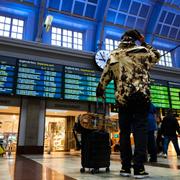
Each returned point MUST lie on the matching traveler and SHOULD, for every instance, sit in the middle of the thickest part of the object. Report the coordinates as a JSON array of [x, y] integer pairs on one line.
[[159, 138], [152, 127], [169, 128], [129, 66]]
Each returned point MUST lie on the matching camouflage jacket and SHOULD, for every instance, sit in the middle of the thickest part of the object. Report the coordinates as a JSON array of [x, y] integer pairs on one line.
[[129, 67]]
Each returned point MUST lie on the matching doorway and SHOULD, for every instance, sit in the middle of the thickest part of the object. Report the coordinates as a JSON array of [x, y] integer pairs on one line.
[[54, 134], [9, 125], [59, 130]]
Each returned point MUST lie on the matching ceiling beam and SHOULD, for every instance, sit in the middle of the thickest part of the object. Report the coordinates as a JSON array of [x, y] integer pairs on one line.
[[102, 11], [152, 21]]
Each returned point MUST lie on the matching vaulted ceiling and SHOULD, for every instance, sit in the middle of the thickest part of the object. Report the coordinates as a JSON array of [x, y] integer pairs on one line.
[[161, 16]]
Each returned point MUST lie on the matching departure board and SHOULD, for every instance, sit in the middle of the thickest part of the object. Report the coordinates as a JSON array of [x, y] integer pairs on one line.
[[174, 89], [39, 79], [7, 74], [159, 93], [80, 84]]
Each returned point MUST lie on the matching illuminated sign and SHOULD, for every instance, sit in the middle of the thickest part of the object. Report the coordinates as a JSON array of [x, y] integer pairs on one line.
[[80, 84], [7, 73], [174, 89], [39, 79], [159, 94]]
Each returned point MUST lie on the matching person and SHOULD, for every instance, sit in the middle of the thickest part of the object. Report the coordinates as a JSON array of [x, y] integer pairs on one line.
[[159, 138], [169, 128], [152, 127], [129, 66], [2, 150]]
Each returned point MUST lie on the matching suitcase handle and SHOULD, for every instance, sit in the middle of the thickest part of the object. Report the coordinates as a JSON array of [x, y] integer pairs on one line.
[[78, 144], [103, 106]]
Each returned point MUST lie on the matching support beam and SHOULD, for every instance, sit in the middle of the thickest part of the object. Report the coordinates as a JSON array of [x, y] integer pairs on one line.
[[103, 7], [151, 24], [42, 7]]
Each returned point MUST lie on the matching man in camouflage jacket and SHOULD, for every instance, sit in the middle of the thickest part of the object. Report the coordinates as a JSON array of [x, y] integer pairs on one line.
[[129, 67]]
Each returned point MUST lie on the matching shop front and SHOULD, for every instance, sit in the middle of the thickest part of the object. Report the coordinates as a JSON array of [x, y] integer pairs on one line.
[[9, 125], [58, 134]]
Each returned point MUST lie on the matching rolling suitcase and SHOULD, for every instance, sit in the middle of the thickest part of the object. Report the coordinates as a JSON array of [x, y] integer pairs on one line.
[[95, 151], [95, 143]]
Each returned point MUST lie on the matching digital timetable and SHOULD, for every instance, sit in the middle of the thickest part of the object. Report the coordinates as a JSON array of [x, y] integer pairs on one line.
[[159, 93], [174, 89], [80, 84], [39, 79], [7, 74]]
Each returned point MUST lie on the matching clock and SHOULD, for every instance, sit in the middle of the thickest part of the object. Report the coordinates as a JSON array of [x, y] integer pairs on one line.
[[101, 58]]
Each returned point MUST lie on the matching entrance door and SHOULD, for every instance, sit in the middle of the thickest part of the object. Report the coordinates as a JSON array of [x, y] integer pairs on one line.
[[54, 134], [9, 123], [59, 130]]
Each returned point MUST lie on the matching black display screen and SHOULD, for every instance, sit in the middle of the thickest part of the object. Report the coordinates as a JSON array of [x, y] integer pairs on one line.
[[80, 84], [39, 79], [7, 75]]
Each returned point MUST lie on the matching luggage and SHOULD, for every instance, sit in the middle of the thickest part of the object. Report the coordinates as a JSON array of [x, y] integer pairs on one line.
[[95, 151], [97, 120], [95, 142]]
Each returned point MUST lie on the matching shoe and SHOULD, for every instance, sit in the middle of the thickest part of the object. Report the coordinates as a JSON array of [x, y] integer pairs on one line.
[[140, 174], [164, 155], [125, 172]]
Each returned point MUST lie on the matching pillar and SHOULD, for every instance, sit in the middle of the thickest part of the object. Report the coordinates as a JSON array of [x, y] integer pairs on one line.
[[31, 126]]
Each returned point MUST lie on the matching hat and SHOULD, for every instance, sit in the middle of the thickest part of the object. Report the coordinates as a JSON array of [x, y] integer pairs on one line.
[[131, 35]]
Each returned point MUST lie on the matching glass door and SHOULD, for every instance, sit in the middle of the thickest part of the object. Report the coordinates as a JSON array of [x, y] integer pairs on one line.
[[54, 134]]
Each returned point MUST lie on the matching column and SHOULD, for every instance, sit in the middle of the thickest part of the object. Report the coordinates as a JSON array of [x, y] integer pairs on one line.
[[31, 126]]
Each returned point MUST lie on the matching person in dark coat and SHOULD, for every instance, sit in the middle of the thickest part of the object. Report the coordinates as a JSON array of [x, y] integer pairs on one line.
[[152, 127], [159, 138], [169, 128]]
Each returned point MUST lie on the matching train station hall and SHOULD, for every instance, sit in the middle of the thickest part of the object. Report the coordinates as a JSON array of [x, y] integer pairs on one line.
[[89, 89]]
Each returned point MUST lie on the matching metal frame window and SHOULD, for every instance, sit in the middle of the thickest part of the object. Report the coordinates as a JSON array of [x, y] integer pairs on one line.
[[67, 38], [11, 27], [165, 60], [111, 44]]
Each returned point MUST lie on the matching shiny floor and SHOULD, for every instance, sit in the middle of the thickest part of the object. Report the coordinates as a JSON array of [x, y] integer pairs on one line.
[[66, 166]]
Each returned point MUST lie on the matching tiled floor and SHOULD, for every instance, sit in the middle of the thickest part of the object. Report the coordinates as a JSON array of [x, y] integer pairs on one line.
[[66, 166]]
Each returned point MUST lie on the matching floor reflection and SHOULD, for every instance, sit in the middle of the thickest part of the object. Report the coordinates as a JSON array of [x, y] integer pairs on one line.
[[27, 169]]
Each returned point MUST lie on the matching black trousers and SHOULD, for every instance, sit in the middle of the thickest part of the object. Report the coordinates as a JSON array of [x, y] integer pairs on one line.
[[133, 120]]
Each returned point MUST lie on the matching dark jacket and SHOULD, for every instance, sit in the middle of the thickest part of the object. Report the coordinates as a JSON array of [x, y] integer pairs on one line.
[[170, 126], [152, 125]]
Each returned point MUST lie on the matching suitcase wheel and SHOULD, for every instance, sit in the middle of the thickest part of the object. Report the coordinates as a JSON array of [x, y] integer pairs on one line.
[[93, 171], [107, 169], [82, 170]]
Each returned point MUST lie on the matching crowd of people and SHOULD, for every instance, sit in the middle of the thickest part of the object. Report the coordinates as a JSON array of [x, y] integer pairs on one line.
[[161, 133]]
